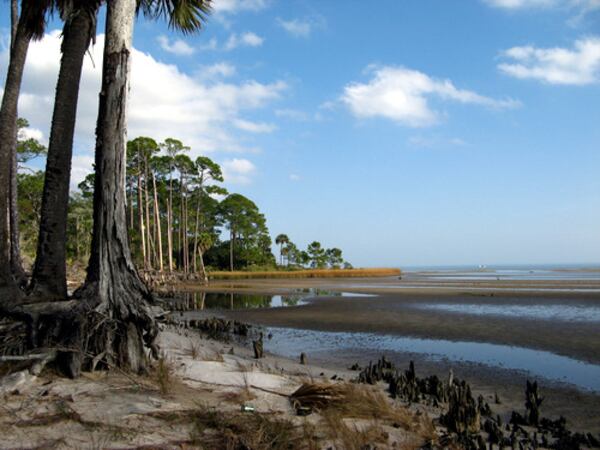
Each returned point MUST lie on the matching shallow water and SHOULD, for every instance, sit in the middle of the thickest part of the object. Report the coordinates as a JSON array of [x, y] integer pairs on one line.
[[291, 342], [233, 301], [564, 313]]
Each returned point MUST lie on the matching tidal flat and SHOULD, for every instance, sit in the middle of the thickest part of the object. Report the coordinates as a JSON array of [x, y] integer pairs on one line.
[[495, 331]]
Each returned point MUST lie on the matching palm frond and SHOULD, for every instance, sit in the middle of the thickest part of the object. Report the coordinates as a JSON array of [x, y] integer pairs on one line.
[[33, 16], [186, 16]]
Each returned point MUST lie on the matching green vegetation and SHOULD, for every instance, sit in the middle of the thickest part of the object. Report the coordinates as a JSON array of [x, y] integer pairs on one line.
[[175, 221]]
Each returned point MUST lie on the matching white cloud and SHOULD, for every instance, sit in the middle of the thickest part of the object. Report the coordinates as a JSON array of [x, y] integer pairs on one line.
[[435, 142], [296, 27], [577, 66], [579, 8], [521, 4], [215, 71], [31, 133], [247, 39], [164, 102], [236, 6], [177, 47], [82, 166], [404, 95], [254, 127], [238, 171], [295, 177]]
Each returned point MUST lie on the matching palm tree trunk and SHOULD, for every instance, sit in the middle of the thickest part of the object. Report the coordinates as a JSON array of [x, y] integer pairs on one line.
[[158, 227], [14, 20], [49, 274], [8, 138], [125, 323]]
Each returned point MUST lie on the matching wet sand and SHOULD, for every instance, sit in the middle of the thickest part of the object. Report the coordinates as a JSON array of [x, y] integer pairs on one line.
[[391, 311]]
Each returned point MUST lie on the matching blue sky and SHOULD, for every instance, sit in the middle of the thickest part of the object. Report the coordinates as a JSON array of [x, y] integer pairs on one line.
[[416, 132]]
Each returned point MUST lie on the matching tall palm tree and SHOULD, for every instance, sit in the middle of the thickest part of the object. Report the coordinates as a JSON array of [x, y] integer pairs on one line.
[[49, 275], [31, 25], [125, 323], [281, 240], [49, 279]]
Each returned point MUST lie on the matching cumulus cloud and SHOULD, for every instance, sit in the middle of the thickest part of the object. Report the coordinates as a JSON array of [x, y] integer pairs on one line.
[[404, 96], [164, 102], [295, 177], [31, 133], [579, 65], [248, 39], [177, 47], [238, 171]]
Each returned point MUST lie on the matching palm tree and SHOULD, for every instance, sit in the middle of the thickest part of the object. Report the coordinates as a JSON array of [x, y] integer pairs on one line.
[[31, 25], [113, 287], [281, 240], [49, 274]]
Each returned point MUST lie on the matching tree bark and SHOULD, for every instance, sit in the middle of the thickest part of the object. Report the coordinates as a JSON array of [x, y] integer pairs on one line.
[[49, 275], [122, 302], [8, 138], [14, 20]]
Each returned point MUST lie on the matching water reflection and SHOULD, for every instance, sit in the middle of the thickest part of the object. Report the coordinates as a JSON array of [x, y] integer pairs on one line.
[[192, 301], [566, 313], [291, 342]]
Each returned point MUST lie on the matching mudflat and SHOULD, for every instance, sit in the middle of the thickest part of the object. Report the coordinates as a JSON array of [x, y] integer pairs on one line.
[[396, 307]]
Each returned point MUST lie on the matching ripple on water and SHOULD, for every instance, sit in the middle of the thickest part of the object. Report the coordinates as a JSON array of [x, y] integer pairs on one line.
[[568, 313], [291, 342]]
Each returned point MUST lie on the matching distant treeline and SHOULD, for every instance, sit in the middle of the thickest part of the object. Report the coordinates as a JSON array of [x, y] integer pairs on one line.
[[179, 216]]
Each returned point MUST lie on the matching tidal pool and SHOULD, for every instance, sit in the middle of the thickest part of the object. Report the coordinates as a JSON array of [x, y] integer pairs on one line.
[[291, 342], [231, 301], [565, 313]]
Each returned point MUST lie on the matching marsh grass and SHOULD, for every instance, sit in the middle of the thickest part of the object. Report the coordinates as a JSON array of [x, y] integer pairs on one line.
[[312, 273]]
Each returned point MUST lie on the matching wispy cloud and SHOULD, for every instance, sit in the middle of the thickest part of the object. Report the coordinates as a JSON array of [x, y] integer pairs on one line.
[[177, 47], [236, 6], [296, 27], [301, 28], [579, 65], [247, 39], [404, 95], [216, 71], [578, 9]]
